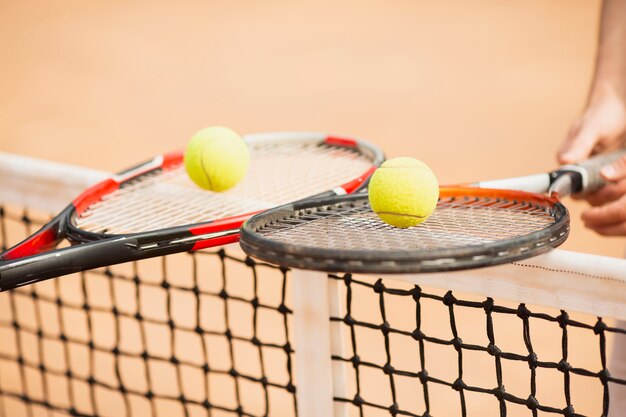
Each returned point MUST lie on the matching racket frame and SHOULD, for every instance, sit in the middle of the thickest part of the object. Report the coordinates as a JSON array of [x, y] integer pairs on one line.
[[387, 262], [34, 259]]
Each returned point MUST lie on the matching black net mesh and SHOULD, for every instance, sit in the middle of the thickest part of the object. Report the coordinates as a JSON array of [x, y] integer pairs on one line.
[[210, 334], [166, 337], [411, 352]]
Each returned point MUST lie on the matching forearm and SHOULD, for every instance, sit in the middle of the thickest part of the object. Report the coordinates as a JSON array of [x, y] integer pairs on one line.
[[611, 56]]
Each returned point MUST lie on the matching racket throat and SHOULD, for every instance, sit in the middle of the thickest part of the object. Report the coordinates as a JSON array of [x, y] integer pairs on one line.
[[193, 241]]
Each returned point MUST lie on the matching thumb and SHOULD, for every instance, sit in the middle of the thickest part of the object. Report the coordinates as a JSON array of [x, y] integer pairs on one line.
[[615, 171], [579, 146]]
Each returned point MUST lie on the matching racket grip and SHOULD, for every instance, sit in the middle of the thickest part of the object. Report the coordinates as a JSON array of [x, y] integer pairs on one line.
[[590, 169]]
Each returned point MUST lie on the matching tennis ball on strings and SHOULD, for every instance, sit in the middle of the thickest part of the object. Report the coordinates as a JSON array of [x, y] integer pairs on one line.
[[217, 158], [403, 192]]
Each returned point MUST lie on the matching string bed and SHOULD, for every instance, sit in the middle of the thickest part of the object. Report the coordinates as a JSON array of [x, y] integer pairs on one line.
[[456, 222], [278, 173]]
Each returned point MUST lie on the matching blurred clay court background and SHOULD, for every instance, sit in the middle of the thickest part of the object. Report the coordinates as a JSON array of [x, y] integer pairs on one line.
[[478, 89]]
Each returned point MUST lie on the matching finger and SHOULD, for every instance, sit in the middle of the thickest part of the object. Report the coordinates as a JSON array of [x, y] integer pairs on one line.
[[615, 171], [579, 147], [607, 194], [613, 230], [607, 215], [567, 143]]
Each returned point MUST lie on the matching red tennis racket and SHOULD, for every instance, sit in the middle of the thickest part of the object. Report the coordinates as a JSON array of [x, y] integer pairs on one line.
[[154, 209]]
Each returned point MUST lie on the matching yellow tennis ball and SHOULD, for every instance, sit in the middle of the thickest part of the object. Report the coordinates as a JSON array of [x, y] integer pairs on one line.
[[403, 192], [217, 158]]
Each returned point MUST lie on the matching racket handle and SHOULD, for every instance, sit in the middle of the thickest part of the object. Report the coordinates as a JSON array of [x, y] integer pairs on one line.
[[590, 170]]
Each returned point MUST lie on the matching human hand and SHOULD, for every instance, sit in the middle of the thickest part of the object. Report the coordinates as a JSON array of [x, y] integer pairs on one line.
[[601, 127], [607, 217]]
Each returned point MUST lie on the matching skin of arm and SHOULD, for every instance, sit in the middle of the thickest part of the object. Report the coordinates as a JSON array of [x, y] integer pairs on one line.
[[602, 124]]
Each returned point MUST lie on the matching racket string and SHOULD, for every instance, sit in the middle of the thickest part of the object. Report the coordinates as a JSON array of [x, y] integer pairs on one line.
[[455, 223], [279, 173]]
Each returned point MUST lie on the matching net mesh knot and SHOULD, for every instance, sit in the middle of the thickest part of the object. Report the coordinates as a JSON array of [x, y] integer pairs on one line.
[[532, 403], [423, 376], [564, 366], [499, 392], [569, 411], [459, 385], [563, 319], [416, 293], [604, 376], [494, 350], [388, 369], [449, 299], [523, 312], [417, 334], [379, 287], [356, 360], [457, 342], [599, 327]]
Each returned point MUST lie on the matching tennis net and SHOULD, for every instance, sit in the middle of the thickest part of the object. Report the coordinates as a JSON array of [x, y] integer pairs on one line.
[[215, 333]]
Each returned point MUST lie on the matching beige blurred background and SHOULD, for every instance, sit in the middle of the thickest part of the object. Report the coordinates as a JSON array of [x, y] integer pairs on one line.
[[478, 89]]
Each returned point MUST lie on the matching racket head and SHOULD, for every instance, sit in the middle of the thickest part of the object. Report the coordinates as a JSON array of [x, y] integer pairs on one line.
[[470, 228], [156, 200]]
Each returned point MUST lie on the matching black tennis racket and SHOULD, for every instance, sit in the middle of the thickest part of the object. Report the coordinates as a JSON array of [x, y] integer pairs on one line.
[[471, 227], [154, 209]]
